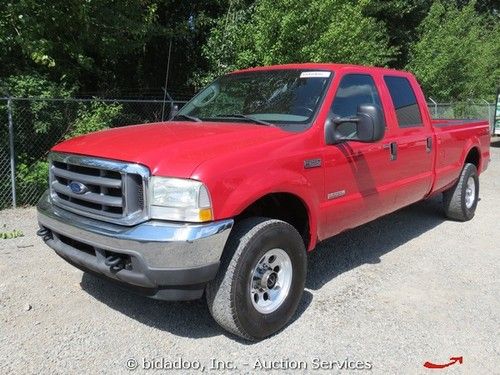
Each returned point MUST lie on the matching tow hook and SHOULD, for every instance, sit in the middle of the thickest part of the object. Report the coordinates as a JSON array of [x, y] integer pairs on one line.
[[44, 233], [116, 263]]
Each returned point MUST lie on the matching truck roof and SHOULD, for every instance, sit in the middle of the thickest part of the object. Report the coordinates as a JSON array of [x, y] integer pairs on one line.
[[320, 66]]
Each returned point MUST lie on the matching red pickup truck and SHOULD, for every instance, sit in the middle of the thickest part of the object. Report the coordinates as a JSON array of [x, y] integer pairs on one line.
[[227, 197]]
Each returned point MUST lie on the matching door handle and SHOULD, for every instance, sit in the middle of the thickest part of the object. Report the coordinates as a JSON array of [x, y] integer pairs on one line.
[[393, 147], [428, 146]]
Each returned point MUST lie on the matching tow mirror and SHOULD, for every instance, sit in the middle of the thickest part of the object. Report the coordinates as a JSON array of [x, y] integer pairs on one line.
[[174, 109], [368, 123]]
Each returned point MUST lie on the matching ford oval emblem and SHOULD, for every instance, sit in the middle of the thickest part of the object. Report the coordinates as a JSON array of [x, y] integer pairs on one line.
[[77, 187]]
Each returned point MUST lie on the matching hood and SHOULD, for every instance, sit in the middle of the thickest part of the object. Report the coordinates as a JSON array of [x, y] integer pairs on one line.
[[172, 149]]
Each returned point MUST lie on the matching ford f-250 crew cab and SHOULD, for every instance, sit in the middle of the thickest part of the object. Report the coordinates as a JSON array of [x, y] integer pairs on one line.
[[227, 197]]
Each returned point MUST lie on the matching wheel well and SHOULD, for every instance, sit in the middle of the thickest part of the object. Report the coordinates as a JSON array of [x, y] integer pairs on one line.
[[473, 157], [281, 206]]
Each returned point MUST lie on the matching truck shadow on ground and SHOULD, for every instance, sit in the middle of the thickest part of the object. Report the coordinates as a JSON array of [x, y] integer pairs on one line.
[[187, 319], [495, 142], [367, 243], [333, 257]]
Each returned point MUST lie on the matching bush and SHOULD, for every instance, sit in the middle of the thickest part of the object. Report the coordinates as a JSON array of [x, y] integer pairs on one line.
[[39, 125], [98, 116], [32, 180]]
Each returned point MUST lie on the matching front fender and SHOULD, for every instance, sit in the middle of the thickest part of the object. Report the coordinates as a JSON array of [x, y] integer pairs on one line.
[[236, 197]]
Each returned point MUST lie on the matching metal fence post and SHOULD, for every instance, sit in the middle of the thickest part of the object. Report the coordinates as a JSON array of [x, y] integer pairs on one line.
[[489, 111], [435, 106], [12, 153]]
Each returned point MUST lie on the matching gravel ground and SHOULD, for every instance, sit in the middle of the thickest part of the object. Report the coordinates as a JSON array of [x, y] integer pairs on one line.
[[405, 289]]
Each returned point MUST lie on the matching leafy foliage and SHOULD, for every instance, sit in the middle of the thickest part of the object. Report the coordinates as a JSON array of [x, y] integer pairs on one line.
[[43, 115], [104, 46], [59, 37], [122, 46], [284, 31], [11, 234], [98, 116], [40, 123], [457, 54], [401, 18], [31, 178]]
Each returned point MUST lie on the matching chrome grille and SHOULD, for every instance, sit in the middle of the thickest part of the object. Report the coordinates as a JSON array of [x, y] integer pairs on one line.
[[103, 189]]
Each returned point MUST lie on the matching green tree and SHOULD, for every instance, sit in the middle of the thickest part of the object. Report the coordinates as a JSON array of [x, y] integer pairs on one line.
[[83, 42], [105, 47], [456, 55], [401, 18], [284, 31]]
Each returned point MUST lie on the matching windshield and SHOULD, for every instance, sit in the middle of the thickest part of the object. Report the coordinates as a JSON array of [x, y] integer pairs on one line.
[[286, 98]]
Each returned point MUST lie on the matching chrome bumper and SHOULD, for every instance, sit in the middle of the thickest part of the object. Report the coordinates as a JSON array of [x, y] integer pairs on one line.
[[160, 253]]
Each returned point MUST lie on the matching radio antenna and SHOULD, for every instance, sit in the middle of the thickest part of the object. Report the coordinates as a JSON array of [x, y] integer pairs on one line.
[[165, 92]]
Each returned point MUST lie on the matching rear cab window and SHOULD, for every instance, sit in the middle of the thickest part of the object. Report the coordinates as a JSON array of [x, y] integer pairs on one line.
[[404, 101]]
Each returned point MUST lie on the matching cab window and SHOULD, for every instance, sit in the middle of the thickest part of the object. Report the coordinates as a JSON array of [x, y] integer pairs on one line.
[[354, 90], [404, 101]]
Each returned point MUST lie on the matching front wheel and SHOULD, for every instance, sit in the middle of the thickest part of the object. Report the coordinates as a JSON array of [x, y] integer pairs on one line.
[[460, 201], [261, 278]]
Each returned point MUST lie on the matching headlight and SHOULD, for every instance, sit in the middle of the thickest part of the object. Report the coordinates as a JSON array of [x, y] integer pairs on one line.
[[179, 200]]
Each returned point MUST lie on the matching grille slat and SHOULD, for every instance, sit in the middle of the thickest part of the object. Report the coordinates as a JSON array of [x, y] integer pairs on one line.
[[86, 179], [101, 199], [112, 191]]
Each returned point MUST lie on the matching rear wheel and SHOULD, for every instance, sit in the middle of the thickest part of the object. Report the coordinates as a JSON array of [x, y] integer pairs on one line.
[[261, 278], [460, 201]]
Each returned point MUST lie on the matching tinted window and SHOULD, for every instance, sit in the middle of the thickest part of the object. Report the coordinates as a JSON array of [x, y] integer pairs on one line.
[[354, 90], [404, 101]]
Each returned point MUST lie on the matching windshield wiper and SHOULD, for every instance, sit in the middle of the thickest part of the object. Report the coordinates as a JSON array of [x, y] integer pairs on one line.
[[246, 117], [187, 117]]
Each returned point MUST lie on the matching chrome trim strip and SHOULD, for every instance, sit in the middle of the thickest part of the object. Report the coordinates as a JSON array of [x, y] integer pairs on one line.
[[104, 181], [88, 197], [96, 162]]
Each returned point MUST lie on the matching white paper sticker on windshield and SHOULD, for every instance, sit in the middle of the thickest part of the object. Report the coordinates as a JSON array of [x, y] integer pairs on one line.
[[318, 74]]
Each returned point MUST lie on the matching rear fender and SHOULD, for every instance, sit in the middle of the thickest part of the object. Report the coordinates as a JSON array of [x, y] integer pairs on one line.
[[470, 144]]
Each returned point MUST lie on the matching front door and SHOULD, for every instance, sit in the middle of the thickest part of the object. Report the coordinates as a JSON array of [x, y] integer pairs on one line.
[[359, 177]]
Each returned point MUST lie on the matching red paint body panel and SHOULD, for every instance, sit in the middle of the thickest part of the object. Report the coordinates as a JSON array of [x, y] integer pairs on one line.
[[241, 163], [169, 148], [455, 139]]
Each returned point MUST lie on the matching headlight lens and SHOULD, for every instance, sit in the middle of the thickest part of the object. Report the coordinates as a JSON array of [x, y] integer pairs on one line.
[[180, 200]]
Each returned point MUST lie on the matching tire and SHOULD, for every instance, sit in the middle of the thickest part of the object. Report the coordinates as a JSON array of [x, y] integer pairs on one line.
[[460, 201], [231, 295]]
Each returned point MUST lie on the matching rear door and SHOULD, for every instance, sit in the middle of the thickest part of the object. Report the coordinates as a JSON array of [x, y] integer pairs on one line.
[[414, 137]]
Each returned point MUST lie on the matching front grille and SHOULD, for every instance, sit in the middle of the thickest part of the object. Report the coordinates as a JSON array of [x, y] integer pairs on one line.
[[99, 188]]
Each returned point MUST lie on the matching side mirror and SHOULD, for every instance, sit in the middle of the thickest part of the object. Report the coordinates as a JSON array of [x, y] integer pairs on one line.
[[369, 123], [174, 109]]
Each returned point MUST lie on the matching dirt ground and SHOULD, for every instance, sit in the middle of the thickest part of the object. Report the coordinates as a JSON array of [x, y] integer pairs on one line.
[[405, 289]]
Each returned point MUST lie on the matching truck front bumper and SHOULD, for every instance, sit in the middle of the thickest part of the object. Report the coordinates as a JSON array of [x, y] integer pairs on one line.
[[163, 260]]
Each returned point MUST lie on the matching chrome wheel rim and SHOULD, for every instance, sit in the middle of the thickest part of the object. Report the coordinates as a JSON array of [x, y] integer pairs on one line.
[[271, 281], [470, 192]]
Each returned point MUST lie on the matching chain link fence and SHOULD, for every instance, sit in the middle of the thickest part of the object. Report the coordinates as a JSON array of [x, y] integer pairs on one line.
[[467, 110], [30, 127]]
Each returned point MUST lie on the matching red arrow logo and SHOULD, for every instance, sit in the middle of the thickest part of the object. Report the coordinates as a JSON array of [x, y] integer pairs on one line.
[[452, 359]]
